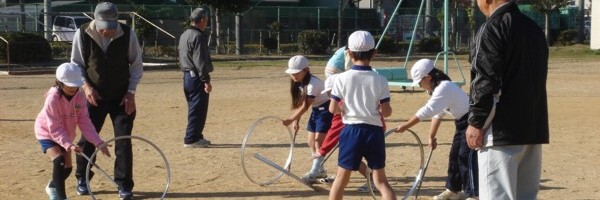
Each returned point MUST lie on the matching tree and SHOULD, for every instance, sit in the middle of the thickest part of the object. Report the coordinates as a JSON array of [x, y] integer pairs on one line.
[[142, 28], [547, 7]]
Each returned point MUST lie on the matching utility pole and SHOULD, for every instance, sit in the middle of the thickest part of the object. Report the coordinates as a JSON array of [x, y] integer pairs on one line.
[[428, 31], [239, 44], [23, 17], [580, 22], [340, 19], [48, 19]]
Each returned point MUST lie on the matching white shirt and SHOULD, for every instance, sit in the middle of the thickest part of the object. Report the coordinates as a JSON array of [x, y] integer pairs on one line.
[[361, 90], [313, 90], [447, 98]]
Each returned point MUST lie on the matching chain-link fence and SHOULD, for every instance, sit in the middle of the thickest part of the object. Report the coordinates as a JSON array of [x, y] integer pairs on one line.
[[168, 22]]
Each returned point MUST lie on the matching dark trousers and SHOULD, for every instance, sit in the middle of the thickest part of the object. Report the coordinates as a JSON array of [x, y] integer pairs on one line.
[[462, 163], [197, 100], [123, 125]]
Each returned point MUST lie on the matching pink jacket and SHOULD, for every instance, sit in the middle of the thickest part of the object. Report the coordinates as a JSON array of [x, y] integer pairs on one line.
[[59, 117]]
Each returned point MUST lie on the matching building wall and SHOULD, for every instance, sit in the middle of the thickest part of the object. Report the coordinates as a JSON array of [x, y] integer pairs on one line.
[[595, 29]]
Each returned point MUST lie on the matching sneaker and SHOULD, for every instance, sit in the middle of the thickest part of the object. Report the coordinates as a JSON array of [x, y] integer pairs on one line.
[[322, 174], [125, 195], [309, 178], [365, 188], [82, 188], [449, 195], [472, 198], [200, 144], [204, 140], [52, 193], [327, 180]]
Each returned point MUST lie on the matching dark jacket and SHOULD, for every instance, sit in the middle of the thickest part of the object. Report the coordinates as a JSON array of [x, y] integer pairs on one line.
[[108, 72], [194, 54], [509, 65]]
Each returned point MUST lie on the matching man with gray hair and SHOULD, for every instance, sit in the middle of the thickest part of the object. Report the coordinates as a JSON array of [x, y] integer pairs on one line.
[[196, 64], [111, 61]]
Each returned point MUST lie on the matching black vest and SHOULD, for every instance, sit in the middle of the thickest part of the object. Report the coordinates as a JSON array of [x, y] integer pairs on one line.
[[107, 73]]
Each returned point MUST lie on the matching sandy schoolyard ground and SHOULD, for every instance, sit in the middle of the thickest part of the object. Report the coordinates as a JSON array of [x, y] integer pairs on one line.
[[243, 94]]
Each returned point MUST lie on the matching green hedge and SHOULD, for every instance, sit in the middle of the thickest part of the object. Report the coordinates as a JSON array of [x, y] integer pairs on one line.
[[566, 37], [430, 45], [313, 42], [387, 46], [256, 49], [25, 47]]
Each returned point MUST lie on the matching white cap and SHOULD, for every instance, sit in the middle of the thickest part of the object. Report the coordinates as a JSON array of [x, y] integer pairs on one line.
[[361, 41], [329, 83], [420, 69], [296, 64], [69, 74]]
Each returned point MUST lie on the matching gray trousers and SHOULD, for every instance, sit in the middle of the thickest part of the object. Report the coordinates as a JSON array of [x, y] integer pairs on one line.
[[510, 172]]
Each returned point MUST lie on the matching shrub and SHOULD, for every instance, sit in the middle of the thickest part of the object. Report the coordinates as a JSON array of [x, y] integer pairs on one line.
[[161, 51], [60, 48], [566, 37], [258, 50], [289, 48], [313, 42], [430, 45], [270, 43], [387, 46], [25, 47]]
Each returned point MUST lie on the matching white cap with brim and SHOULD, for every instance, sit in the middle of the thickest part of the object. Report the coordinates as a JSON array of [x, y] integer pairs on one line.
[[69, 74], [329, 83], [296, 64], [420, 69], [106, 16], [361, 41]]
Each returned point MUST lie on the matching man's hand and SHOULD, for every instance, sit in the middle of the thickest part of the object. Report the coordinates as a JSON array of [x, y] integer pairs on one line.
[[207, 87], [129, 102], [90, 94], [475, 137]]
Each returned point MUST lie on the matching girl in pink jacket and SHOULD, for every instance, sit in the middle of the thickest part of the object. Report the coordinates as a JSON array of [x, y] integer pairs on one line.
[[64, 109]]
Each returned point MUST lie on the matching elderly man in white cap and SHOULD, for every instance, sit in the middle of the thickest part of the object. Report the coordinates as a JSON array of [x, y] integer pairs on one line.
[[111, 60], [196, 65]]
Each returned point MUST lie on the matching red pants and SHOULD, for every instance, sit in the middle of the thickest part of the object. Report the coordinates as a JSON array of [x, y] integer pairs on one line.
[[333, 134]]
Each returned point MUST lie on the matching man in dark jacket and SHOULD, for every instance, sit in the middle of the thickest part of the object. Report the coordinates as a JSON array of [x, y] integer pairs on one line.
[[508, 102], [196, 65], [110, 56]]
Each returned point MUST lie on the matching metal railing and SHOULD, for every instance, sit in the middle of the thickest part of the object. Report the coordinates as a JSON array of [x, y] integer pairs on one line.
[[7, 52]]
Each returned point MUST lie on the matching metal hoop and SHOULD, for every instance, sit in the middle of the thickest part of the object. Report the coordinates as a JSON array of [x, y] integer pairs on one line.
[[419, 175], [288, 162], [90, 163]]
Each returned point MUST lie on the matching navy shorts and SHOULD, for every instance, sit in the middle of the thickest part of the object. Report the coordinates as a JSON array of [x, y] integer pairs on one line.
[[47, 143], [320, 119], [361, 140]]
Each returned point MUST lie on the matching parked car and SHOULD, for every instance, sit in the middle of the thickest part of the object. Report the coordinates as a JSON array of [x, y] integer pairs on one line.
[[64, 27]]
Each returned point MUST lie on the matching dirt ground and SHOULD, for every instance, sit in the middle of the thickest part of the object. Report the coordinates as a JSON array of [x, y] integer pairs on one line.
[[241, 95]]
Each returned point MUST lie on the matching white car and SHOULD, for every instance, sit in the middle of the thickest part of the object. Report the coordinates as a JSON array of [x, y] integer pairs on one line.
[[64, 27]]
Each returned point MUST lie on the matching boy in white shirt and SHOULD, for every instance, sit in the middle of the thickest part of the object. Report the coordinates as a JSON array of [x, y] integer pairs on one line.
[[366, 97]]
